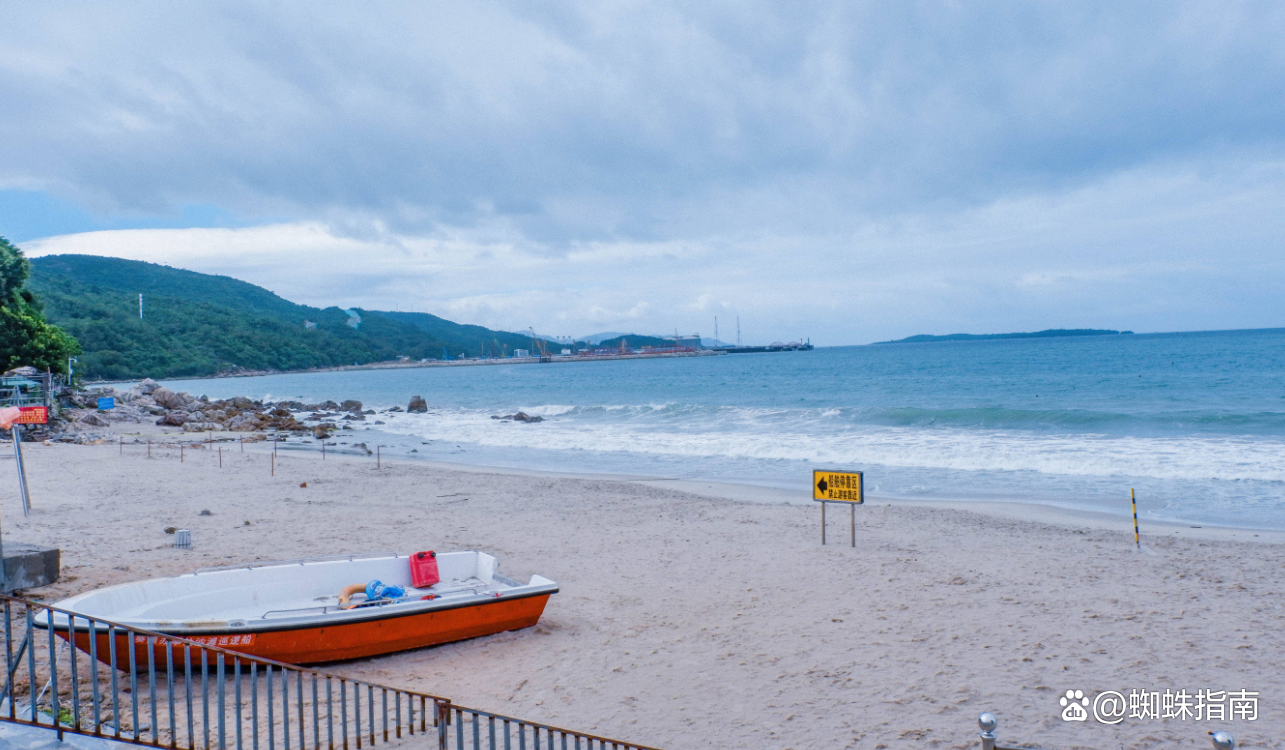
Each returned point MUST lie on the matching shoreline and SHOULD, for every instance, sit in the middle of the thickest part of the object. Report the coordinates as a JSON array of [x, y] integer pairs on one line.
[[553, 359], [1033, 510]]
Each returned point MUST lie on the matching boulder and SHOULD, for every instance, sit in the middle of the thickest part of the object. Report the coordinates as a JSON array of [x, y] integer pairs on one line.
[[147, 387], [289, 424], [94, 420], [243, 423], [321, 431], [351, 405], [202, 427], [521, 417], [327, 406], [355, 416], [196, 416], [169, 399], [417, 405], [173, 419], [398, 408], [241, 402]]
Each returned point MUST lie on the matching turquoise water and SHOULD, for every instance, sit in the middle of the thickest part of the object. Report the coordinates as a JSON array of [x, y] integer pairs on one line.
[[1194, 421]]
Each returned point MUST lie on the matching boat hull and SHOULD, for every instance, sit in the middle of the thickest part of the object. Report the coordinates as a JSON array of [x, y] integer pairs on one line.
[[325, 642]]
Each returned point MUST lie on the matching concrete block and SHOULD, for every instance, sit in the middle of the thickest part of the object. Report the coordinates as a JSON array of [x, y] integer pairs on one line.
[[29, 567]]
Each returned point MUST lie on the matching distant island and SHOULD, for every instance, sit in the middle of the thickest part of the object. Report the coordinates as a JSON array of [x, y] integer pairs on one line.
[[1049, 334]]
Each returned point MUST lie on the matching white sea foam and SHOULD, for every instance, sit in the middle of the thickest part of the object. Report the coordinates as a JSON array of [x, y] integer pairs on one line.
[[778, 434]]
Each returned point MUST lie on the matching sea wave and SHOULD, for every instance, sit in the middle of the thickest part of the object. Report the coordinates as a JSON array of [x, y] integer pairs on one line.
[[786, 435], [825, 419]]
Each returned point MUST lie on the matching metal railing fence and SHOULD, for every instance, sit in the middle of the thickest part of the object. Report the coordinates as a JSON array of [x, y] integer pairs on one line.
[[84, 675]]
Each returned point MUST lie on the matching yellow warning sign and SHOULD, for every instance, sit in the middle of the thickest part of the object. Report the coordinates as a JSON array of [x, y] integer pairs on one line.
[[838, 486]]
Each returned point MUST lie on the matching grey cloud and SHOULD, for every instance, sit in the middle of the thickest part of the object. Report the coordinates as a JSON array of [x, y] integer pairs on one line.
[[577, 121]]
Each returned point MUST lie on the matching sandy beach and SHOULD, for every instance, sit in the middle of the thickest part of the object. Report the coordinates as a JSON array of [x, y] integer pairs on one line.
[[701, 615]]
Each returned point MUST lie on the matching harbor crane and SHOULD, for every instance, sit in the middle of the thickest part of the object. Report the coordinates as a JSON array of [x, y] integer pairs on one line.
[[538, 344]]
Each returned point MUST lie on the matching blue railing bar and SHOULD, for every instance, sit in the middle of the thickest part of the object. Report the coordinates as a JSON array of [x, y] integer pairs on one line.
[[343, 710], [272, 725], [93, 670], [151, 683], [133, 680], [254, 704], [75, 693], [53, 683], [111, 653], [303, 744], [169, 691], [187, 691], [236, 698]]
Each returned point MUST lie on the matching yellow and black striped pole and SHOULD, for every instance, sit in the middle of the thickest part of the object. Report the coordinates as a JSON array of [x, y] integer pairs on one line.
[[1136, 538]]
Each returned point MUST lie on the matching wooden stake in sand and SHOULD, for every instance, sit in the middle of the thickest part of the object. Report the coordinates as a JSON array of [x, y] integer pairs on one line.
[[377, 464], [220, 457], [180, 453], [122, 446], [149, 447], [1137, 538], [274, 464]]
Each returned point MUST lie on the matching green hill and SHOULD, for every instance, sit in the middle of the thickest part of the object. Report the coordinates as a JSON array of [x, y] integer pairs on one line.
[[199, 324], [634, 341]]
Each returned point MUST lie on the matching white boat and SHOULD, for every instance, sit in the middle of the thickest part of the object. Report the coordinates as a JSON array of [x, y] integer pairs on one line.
[[291, 611]]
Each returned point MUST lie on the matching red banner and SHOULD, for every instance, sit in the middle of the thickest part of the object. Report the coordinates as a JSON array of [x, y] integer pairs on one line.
[[33, 415]]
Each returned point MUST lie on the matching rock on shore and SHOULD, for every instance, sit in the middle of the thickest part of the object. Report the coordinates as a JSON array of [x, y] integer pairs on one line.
[[150, 401]]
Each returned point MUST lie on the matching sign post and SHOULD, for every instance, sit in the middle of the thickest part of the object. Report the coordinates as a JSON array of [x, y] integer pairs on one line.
[[839, 487]]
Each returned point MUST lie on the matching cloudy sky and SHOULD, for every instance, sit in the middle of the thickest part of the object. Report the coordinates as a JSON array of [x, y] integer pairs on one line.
[[841, 170]]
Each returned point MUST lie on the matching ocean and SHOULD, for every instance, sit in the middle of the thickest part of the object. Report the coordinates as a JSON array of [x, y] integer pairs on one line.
[[1194, 422]]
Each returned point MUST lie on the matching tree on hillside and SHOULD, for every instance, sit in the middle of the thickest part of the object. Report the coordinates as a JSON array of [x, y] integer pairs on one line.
[[26, 338]]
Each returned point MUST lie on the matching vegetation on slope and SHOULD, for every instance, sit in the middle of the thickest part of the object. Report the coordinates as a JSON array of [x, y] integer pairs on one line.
[[198, 324], [26, 338]]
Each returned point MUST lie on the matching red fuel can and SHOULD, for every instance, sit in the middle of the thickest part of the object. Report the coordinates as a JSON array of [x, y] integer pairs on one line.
[[423, 569]]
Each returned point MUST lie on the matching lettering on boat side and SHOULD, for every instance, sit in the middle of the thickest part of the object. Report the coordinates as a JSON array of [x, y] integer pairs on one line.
[[245, 639]]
